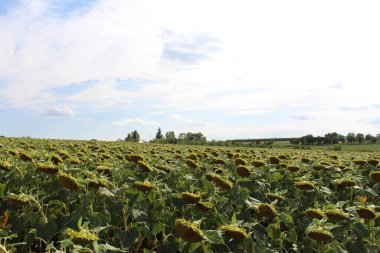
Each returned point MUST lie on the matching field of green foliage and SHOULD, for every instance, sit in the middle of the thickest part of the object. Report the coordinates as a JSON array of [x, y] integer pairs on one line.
[[93, 196]]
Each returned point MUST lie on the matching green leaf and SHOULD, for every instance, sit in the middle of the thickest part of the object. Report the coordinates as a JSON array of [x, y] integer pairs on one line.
[[48, 230], [325, 190], [307, 246], [213, 236], [79, 223], [170, 245], [276, 176], [233, 218], [107, 248], [157, 228], [361, 230], [273, 231], [287, 218], [100, 219], [371, 191], [66, 243], [356, 247], [2, 189], [194, 246], [104, 191], [242, 195], [259, 247], [335, 248], [127, 238], [377, 235]]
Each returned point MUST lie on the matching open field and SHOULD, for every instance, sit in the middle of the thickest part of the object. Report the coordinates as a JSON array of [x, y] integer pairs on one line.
[[93, 196], [351, 147]]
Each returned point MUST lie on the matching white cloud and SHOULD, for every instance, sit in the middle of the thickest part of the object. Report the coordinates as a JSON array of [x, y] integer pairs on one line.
[[189, 123], [59, 111], [135, 121], [90, 120], [189, 49], [104, 94], [302, 117], [176, 116]]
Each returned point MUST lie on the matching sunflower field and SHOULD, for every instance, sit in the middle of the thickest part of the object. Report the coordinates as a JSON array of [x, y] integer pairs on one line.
[[95, 196]]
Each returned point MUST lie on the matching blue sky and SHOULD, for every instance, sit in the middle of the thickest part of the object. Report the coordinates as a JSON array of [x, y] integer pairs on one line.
[[82, 69]]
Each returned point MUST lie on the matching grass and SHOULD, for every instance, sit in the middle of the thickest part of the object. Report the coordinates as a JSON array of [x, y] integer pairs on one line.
[[350, 147]]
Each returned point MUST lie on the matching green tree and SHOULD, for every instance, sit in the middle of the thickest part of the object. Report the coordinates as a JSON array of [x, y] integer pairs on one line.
[[360, 138], [192, 138], [368, 138], [341, 138], [159, 134], [351, 138], [133, 136], [170, 137], [319, 140], [307, 139]]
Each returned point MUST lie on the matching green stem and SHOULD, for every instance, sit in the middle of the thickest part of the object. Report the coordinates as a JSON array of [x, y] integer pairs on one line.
[[40, 210], [2, 249], [204, 248]]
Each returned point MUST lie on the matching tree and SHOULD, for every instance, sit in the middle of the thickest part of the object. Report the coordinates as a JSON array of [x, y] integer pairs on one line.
[[360, 138], [368, 138], [342, 138], [319, 140], [170, 137], [159, 134], [351, 138], [332, 138], [307, 139], [133, 136], [192, 138]]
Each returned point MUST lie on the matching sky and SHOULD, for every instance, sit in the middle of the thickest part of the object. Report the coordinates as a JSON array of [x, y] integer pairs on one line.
[[99, 69]]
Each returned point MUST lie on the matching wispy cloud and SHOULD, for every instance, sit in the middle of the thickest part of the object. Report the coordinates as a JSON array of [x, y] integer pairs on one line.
[[89, 120], [189, 49], [176, 116], [59, 111], [248, 112], [189, 122], [302, 117], [350, 108], [104, 94], [336, 86], [135, 121]]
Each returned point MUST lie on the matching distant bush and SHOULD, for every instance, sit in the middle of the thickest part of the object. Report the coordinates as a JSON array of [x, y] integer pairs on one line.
[[335, 148]]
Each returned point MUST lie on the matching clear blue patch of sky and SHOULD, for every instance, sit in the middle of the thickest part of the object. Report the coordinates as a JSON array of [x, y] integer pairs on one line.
[[21, 122], [17, 122], [2, 82], [7, 5], [133, 83], [124, 84], [73, 88], [68, 7], [189, 49], [375, 121], [244, 91]]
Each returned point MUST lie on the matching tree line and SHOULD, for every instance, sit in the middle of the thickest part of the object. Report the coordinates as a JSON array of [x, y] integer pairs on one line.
[[171, 138], [335, 138], [199, 139]]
